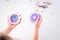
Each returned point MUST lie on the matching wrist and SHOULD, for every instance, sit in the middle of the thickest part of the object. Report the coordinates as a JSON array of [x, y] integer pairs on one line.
[[37, 28], [11, 27]]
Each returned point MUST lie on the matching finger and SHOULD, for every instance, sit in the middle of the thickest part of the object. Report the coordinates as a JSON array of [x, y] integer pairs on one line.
[[19, 21], [40, 18], [9, 22], [8, 19]]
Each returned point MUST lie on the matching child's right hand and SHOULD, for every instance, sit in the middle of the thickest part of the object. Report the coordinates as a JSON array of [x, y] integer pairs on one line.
[[38, 22]]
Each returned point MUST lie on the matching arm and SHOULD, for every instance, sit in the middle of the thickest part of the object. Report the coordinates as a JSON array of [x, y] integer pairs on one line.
[[37, 26], [36, 34], [10, 27]]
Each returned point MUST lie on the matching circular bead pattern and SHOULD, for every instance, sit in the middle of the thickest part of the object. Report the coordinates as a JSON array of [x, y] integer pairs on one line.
[[34, 17], [14, 18]]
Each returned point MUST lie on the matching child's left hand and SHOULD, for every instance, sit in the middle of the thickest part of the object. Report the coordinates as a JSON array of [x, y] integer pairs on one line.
[[11, 26]]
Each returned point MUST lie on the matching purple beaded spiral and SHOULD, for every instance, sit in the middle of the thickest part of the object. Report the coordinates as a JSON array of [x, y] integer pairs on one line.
[[14, 18], [34, 17]]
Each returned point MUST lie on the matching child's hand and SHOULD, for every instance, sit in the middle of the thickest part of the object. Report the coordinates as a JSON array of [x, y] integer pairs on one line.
[[37, 25], [38, 22], [11, 26]]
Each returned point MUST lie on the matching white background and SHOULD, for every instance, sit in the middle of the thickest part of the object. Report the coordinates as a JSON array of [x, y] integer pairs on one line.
[[50, 27]]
